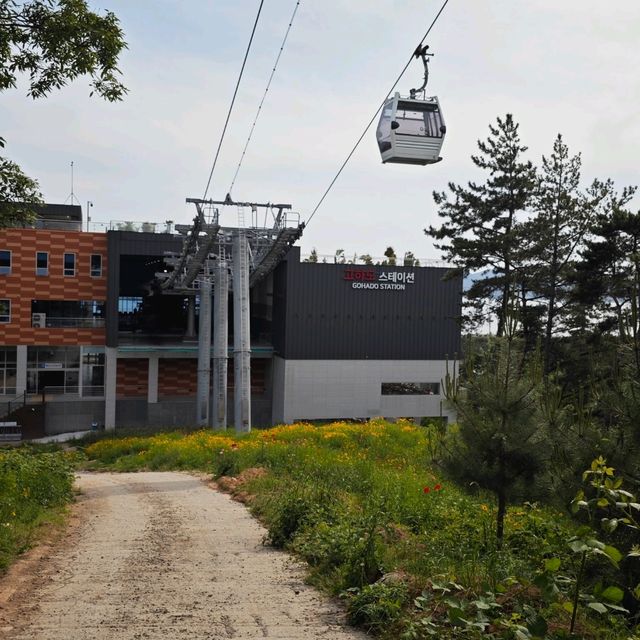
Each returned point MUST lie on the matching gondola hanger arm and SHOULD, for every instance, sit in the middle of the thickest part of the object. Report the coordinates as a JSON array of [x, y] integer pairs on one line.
[[421, 52]]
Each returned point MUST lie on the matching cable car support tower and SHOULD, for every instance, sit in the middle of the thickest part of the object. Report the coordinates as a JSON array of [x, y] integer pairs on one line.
[[215, 259]]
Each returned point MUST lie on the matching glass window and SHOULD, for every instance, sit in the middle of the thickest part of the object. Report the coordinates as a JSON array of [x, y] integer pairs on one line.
[[69, 264], [7, 371], [92, 371], [419, 119], [70, 313], [383, 132], [5, 262], [96, 265], [410, 388], [42, 263], [71, 382], [5, 310]]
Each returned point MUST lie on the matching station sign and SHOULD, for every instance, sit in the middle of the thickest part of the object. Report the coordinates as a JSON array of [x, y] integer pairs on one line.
[[363, 278]]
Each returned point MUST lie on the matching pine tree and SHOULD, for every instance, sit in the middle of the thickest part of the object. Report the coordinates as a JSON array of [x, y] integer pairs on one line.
[[481, 232], [608, 275], [562, 217], [500, 444]]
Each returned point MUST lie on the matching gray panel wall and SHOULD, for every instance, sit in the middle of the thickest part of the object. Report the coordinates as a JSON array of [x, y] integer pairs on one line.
[[322, 315], [122, 243], [334, 389]]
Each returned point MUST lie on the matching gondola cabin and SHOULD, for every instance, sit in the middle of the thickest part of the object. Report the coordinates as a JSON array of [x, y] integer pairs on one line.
[[411, 131]]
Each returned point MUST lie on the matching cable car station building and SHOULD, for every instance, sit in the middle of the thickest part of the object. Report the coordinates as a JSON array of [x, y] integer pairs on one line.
[[89, 335]]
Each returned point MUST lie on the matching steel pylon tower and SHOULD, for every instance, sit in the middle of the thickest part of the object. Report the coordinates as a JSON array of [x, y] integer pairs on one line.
[[208, 250]]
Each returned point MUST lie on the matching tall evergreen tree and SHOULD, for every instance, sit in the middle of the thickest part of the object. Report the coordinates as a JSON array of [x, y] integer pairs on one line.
[[481, 232], [608, 275], [554, 235]]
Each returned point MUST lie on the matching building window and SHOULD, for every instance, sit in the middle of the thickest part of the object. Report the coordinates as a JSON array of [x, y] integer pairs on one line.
[[85, 314], [5, 310], [92, 371], [42, 263], [7, 371], [69, 264], [96, 266], [410, 388], [53, 370], [5, 262]]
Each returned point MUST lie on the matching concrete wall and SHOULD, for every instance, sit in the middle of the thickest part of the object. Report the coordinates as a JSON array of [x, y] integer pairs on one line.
[[332, 389], [65, 416], [180, 412]]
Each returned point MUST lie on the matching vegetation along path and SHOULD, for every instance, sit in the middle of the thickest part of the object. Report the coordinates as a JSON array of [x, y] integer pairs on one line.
[[161, 555]]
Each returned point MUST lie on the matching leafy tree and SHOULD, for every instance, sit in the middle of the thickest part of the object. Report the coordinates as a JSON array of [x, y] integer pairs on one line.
[[339, 257], [57, 41], [390, 256], [366, 259], [481, 232], [410, 260], [500, 445], [313, 256], [54, 42], [18, 193]]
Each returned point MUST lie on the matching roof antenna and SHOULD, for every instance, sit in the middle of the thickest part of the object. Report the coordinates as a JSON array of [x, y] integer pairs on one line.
[[72, 195]]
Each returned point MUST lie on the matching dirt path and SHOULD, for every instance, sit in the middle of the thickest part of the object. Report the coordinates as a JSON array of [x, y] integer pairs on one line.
[[161, 555]]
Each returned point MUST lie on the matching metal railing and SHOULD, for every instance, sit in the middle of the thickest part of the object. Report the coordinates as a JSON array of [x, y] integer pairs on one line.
[[375, 261], [9, 406], [74, 323], [71, 392], [142, 227]]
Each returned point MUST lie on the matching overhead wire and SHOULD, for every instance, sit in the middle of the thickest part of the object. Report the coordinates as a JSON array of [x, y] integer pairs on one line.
[[273, 72], [235, 93], [375, 115]]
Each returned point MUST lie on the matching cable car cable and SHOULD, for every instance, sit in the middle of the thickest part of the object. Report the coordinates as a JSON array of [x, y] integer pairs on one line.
[[235, 93], [273, 72], [375, 115]]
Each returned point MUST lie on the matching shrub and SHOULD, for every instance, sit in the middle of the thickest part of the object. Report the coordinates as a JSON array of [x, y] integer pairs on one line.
[[32, 485], [376, 606]]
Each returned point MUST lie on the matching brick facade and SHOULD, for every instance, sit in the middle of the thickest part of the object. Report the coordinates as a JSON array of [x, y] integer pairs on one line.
[[132, 377], [177, 377], [22, 285]]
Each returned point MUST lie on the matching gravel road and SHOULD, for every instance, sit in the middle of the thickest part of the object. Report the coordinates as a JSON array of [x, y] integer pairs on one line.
[[163, 555]]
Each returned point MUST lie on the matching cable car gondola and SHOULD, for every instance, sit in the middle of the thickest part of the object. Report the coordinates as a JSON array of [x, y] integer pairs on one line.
[[411, 130]]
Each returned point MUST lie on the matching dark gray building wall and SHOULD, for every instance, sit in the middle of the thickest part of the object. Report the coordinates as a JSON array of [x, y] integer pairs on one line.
[[319, 315], [123, 243]]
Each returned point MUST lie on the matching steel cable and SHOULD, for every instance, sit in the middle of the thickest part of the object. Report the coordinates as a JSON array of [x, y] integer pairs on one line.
[[273, 72], [235, 93]]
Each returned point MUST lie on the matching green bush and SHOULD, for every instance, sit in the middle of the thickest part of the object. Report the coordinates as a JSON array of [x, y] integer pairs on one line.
[[376, 606], [33, 485]]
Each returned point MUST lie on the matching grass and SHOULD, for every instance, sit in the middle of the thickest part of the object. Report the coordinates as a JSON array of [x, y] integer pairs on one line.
[[413, 554], [35, 486]]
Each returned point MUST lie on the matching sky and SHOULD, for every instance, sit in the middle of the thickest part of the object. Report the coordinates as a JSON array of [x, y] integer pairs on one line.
[[559, 66]]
